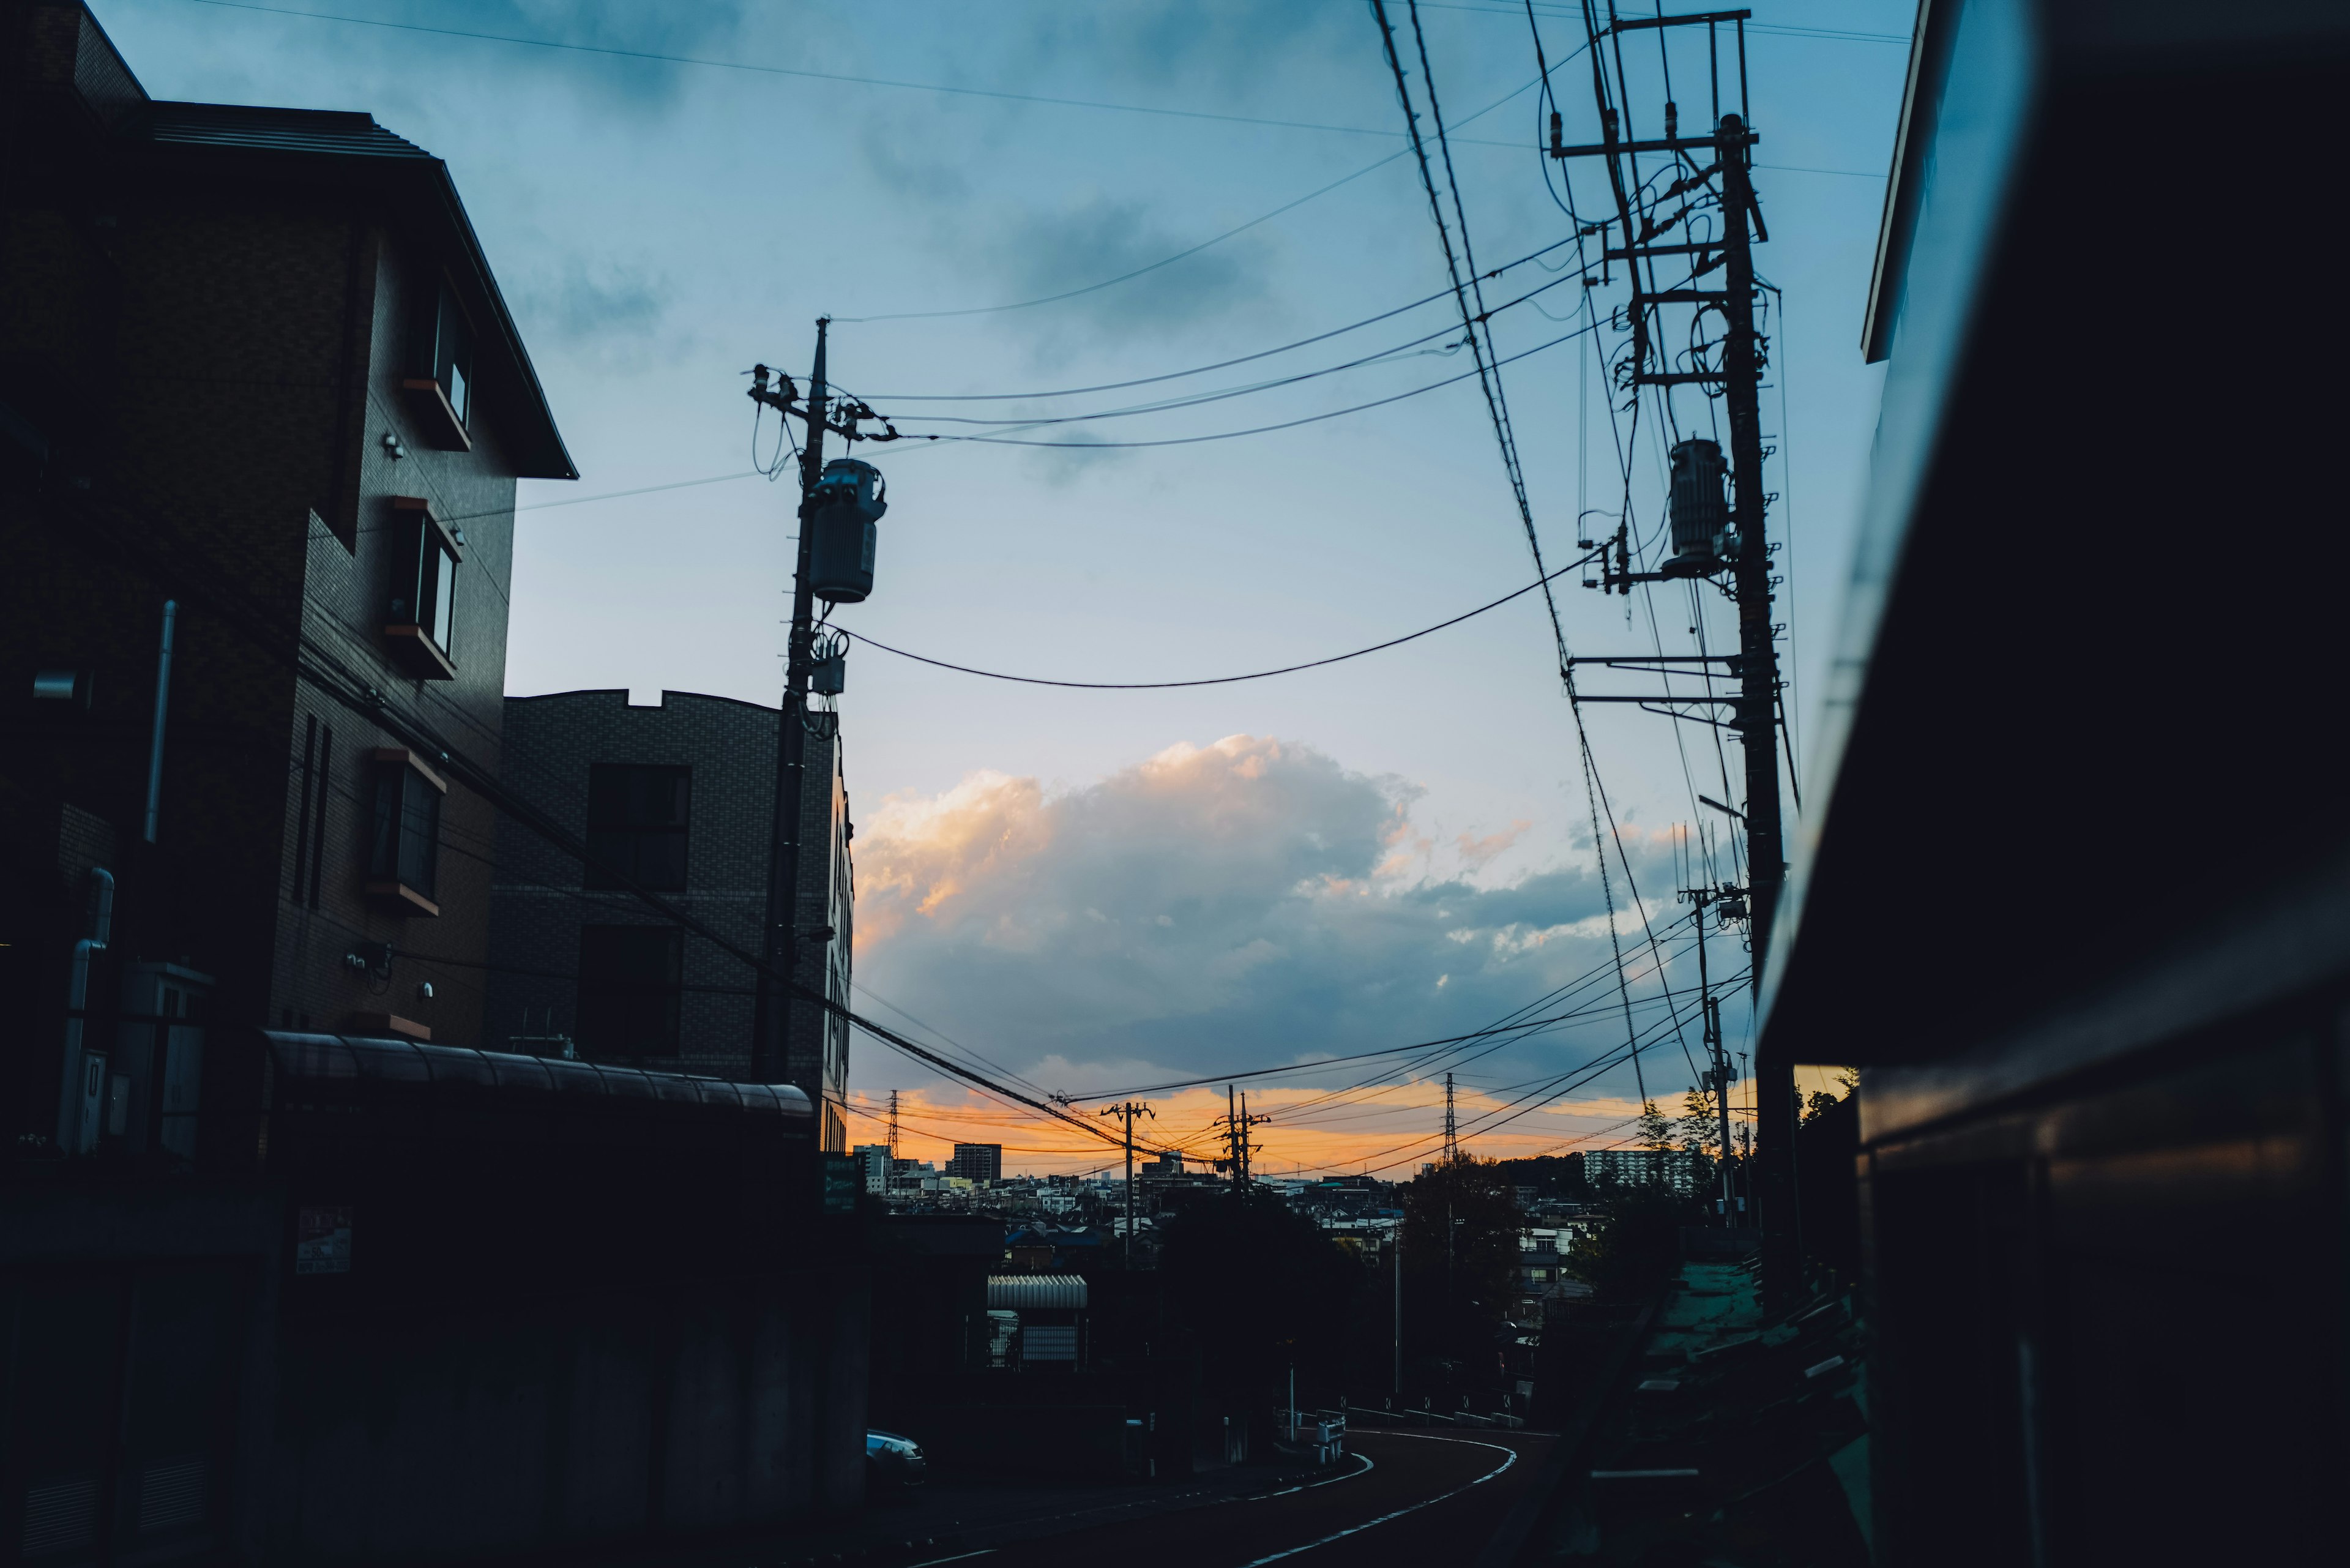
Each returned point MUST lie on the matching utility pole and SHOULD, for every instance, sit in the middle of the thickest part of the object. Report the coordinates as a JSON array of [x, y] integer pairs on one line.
[[1638, 221], [1451, 1127], [1130, 1110], [1757, 706], [771, 1010], [860, 503], [1232, 1134], [1237, 1122], [1247, 1121], [893, 1132], [1717, 1064], [1398, 1306]]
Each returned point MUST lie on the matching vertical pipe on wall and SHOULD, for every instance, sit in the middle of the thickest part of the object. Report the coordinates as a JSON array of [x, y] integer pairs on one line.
[[73, 1092], [162, 700]]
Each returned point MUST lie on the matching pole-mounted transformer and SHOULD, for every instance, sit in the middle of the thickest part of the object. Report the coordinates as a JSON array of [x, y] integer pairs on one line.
[[846, 503], [1698, 509]]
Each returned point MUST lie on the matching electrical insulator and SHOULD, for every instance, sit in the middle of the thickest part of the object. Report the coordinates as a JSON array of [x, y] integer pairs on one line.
[[1698, 508], [846, 502], [1557, 135]]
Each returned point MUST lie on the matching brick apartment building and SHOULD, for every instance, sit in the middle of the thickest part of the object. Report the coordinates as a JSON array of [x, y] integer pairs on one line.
[[263, 399], [681, 797], [262, 414]]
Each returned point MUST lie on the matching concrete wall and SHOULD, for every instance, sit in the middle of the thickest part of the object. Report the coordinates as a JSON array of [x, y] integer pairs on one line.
[[668, 1412]]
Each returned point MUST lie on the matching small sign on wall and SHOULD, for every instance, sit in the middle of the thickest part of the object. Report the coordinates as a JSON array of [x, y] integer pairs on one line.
[[844, 1179], [322, 1240]]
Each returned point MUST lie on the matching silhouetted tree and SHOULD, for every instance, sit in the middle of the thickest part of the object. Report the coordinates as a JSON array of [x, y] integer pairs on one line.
[[1656, 1132], [1636, 1247], [1827, 1180], [1261, 1288], [1461, 1230]]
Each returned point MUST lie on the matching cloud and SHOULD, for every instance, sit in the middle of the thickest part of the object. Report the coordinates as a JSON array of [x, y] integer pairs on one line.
[[1217, 907], [1226, 45], [611, 310], [708, 29], [1046, 252], [1476, 852]]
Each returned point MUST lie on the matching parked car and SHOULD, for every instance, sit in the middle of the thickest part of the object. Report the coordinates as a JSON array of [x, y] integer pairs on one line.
[[892, 1461]]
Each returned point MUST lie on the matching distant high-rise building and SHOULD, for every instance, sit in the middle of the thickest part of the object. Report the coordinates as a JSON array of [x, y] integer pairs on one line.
[[873, 1159], [977, 1162]]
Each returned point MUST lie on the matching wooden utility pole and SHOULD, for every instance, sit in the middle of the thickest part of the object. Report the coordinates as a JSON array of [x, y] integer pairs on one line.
[[1128, 1111], [1755, 715], [1398, 1306], [771, 1010], [1717, 1064], [1237, 1122], [1757, 720]]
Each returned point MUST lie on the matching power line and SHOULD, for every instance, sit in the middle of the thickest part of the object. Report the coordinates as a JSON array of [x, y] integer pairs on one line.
[[615, 52], [1223, 364], [1189, 251], [1208, 680], [1497, 407], [1183, 254], [1261, 430]]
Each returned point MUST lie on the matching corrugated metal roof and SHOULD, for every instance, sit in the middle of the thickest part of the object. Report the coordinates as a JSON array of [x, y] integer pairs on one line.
[[333, 132], [342, 1066], [1034, 1292]]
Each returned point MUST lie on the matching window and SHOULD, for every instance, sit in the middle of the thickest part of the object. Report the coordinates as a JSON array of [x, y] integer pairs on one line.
[[404, 833], [440, 387], [421, 616], [631, 979], [636, 823], [452, 356]]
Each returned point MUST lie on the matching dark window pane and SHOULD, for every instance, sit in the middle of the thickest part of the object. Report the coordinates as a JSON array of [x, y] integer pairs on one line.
[[404, 830], [420, 835], [439, 595], [383, 826], [453, 357], [660, 859], [636, 823], [630, 979]]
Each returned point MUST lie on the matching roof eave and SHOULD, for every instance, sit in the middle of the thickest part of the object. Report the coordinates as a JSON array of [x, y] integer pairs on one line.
[[1900, 212], [552, 458]]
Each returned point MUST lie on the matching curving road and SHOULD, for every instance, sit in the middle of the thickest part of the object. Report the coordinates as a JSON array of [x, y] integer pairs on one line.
[[1399, 1497]]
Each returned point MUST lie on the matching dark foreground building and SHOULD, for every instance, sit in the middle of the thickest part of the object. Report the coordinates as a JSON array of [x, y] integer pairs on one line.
[[2087, 689], [678, 798], [264, 410], [279, 1282]]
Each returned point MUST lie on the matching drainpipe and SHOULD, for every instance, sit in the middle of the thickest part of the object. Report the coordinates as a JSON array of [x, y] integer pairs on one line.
[[162, 699], [72, 1094]]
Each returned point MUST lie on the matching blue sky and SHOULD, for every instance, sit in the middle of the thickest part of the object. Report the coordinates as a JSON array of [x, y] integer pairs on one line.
[[658, 226]]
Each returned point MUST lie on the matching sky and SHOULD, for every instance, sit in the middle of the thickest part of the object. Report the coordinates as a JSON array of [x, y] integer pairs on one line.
[[1105, 890]]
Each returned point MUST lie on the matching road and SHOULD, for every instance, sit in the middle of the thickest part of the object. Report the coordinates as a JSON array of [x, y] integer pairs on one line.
[[1399, 1497]]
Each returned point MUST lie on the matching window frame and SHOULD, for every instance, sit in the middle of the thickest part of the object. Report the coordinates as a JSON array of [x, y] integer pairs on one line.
[[607, 988], [440, 398], [421, 612], [452, 355], [620, 839], [401, 858]]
